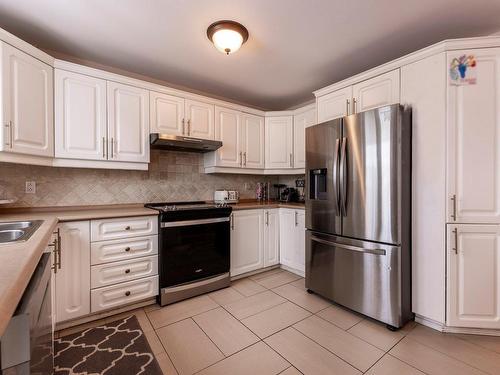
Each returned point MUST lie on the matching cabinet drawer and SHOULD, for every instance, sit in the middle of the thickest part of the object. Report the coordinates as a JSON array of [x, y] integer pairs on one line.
[[122, 294], [123, 249], [123, 227], [126, 270]]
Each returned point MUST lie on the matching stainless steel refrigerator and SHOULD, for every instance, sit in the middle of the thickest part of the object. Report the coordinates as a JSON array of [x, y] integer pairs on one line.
[[358, 213]]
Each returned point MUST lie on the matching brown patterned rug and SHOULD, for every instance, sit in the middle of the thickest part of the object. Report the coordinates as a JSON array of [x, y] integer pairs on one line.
[[117, 348]]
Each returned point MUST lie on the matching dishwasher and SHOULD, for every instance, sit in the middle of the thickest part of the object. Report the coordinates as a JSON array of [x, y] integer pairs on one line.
[[27, 345]]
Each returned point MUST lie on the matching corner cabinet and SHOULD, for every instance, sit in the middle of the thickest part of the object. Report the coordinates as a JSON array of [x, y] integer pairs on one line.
[[247, 241], [252, 141], [301, 121], [271, 237], [27, 104], [279, 142], [473, 149], [292, 239], [73, 278], [473, 293]]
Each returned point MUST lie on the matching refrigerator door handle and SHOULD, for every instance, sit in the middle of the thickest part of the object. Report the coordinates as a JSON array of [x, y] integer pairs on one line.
[[349, 247], [343, 178], [336, 177]]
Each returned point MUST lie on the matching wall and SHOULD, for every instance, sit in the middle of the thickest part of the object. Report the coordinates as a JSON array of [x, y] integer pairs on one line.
[[172, 176]]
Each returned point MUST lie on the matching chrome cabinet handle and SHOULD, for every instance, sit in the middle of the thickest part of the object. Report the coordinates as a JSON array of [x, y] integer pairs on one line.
[[183, 127], [267, 218], [336, 177], [232, 222], [354, 102], [189, 127], [455, 232], [104, 147], [343, 178], [241, 159], [291, 160], [296, 218], [245, 156], [347, 104], [112, 147], [454, 214], [59, 244], [9, 142]]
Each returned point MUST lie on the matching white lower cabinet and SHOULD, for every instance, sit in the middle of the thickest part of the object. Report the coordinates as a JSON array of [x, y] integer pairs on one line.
[[247, 241], [473, 277], [271, 237], [73, 278], [292, 238]]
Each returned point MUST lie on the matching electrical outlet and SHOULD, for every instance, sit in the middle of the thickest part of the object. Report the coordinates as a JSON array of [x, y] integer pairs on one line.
[[30, 187], [247, 186]]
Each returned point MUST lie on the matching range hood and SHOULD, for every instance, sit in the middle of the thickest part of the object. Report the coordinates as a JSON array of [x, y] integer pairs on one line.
[[181, 143]]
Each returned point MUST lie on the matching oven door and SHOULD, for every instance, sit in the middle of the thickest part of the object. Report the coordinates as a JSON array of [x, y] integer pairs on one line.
[[192, 250]]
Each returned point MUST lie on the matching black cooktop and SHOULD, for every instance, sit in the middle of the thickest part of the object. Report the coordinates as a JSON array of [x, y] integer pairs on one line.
[[173, 211]]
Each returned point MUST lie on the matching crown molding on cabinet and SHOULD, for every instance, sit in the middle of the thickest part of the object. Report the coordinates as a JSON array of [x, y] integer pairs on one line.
[[20, 44], [446, 45]]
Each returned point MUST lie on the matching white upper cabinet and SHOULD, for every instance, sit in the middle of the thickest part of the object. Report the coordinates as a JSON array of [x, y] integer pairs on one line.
[[199, 119], [80, 116], [27, 103], [279, 142], [227, 130], [473, 160], [334, 105], [301, 121], [167, 114], [128, 123], [473, 259], [247, 241], [376, 92], [252, 131]]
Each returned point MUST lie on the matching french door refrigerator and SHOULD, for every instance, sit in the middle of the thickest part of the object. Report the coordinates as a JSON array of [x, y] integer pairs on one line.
[[358, 213]]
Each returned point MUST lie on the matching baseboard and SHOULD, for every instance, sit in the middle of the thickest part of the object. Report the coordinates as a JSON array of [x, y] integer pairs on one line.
[[429, 323], [462, 330], [293, 270], [251, 273]]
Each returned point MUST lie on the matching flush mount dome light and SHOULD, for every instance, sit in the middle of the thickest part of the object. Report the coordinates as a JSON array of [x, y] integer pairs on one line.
[[227, 36]]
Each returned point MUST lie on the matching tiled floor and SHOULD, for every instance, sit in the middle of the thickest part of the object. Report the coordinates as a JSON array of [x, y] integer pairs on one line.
[[269, 324]]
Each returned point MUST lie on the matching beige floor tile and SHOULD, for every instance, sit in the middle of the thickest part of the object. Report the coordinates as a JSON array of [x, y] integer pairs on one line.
[[306, 355], [376, 334], [154, 342], [262, 275], [302, 298], [188, 347], [247, 287], [226, 332], [389, 365], [355, 351], [291, 371], [139, 314], [408, 327], [487, 342], [226, 295], [474, 355], [180, 310], [339, 316], [275, 319], [278, 279], [300, 283], [429, 360], [254, 304], [152, 307], [256, 359], [166, 364], [81, 327]]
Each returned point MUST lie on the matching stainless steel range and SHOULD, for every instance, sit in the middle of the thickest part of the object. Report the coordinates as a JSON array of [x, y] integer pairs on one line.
[[194, 249], [358, 212]]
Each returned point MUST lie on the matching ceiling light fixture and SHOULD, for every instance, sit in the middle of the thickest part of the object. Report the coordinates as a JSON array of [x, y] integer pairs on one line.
[[227, 36]]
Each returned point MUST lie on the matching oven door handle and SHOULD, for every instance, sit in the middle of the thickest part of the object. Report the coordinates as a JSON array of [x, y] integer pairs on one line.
[[186, 223]]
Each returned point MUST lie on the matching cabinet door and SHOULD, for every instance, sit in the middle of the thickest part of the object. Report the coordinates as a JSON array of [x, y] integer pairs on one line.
[[247, 241], [28, 104], [376, 92], [73, 278], [252, 141], [200, 119], [227, 130], [300, 241], [128, 123], [473, 152], [301, 121], [271, 237], [80, 116], [167, 114], [473, 276], [334, 105], [279, 142], [287, 238]]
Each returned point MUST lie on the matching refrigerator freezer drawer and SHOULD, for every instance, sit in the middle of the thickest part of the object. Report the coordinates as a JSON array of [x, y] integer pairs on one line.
[[363, 276]]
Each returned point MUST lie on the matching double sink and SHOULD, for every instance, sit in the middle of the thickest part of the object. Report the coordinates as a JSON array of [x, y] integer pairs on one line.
[[18, 231]]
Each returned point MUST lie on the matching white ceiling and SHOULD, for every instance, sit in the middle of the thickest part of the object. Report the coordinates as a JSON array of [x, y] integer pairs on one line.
[[295, 46]]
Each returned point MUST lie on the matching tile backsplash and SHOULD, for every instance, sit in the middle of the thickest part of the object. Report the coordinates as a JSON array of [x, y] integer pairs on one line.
[[172, 176]]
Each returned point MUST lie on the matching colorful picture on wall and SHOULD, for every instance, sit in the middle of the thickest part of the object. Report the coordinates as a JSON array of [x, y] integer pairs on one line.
[[463, 70]]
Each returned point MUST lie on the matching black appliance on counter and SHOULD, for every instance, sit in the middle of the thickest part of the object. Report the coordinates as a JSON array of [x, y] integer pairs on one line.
[[194, 248]]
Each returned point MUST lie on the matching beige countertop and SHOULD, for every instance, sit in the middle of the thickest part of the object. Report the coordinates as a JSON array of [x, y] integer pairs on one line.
[[19, 260]]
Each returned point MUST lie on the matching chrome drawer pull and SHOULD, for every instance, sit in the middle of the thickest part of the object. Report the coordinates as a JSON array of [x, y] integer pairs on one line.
[[127, 293]]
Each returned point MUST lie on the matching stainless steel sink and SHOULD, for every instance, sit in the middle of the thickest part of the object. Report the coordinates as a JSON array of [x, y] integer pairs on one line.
[[18, 231]]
